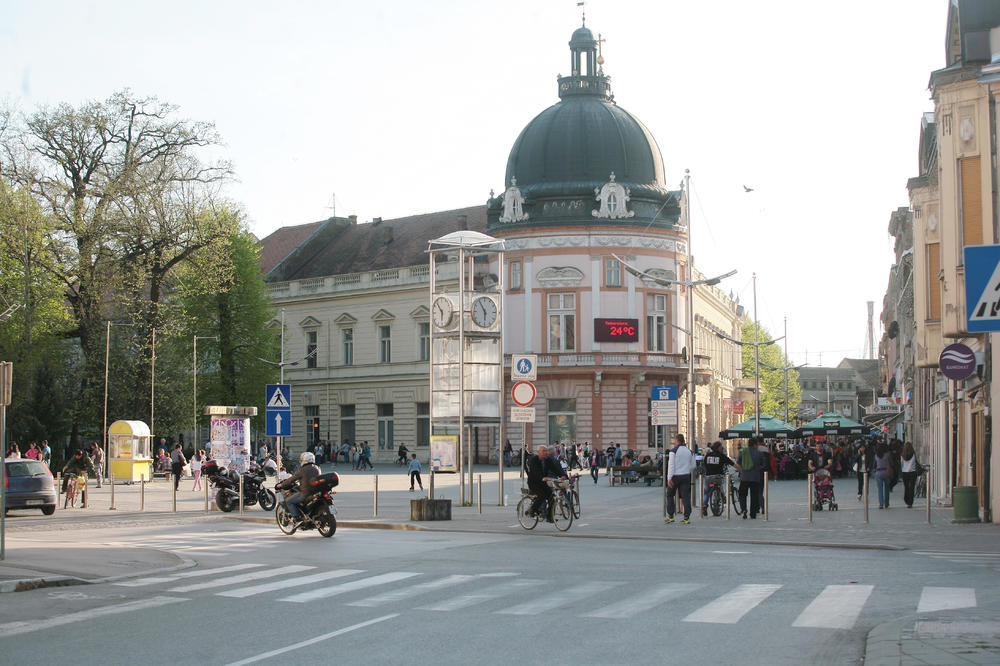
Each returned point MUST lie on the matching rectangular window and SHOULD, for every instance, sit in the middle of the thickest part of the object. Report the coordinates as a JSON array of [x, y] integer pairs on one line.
[[562, 420], [656, 322], [385, 439], [347, 335], [562, 322], [312, 426], [384, 344], [347, 423], [612, 273], [971, 213], [423, 424], [933, 283], [515, 275], [425, 341], [311, 349]]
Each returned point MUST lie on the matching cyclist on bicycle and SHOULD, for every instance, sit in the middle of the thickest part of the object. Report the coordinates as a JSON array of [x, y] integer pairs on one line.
[[541, 469], [78, 464], [401, 454], [715, 466]]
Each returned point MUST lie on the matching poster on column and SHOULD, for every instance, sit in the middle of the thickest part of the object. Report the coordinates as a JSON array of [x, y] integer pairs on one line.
[[230, 442]]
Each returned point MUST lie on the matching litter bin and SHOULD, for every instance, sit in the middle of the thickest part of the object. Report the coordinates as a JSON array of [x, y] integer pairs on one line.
[[965, 500]]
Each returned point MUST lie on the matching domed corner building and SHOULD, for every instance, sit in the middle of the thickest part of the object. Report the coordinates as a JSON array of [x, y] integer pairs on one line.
[[585, 192], [584, 185]]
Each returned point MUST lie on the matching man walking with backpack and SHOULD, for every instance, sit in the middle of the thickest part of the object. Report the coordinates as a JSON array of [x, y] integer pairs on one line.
[[679, 467], [750, 463]]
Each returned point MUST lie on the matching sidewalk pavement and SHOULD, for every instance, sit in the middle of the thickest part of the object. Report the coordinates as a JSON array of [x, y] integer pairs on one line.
[[633, 511]]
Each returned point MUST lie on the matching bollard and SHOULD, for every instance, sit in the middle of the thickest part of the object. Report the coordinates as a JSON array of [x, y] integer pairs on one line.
[[701, 495], [84, 492], [480, 493], [430, 492], [58, 487], [206, 494], [810, 481], [375, 496], [241, 494], [766, 512], [865, 495], [142, 492], [111, 478], [729, 494], [173, 497], [927, 493], [694, 500]]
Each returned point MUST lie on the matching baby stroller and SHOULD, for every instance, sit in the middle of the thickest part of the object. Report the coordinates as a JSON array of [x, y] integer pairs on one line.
[[823, 491]]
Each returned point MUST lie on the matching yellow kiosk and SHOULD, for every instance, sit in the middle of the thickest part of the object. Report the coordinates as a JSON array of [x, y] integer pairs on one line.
[[129, 444]]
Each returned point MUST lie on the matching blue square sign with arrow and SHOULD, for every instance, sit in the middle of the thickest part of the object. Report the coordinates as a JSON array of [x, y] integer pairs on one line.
[[982, 287], [278, 410]]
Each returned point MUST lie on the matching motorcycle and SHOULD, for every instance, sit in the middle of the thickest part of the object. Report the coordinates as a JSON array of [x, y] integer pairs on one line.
[[227, 482], [317, 512]]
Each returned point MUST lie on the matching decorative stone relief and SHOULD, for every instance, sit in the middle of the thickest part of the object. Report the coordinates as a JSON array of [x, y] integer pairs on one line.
[[613, 199], [560, 276], [513, 204]]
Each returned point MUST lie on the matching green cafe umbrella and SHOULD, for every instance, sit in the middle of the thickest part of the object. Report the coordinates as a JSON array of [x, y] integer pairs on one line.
[[770, 426], [831, 424]]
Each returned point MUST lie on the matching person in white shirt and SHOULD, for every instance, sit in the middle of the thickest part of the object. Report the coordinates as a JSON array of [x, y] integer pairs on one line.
[[680, 464]]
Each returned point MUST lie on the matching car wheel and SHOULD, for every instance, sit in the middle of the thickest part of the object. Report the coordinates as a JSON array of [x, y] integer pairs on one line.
[[49, 509]]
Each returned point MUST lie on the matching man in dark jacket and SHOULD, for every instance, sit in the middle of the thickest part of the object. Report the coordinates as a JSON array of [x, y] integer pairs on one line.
[[540, 469], [750, 462], [308, 470]]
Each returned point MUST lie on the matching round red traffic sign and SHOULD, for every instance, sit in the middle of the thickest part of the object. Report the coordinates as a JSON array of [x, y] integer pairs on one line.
[[523, 393]]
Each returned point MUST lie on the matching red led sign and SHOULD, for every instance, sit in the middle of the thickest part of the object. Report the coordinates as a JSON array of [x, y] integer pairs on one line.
[[616, 330]]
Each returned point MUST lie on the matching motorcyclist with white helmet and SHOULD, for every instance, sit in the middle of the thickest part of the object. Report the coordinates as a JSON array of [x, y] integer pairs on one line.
[[308, 470]]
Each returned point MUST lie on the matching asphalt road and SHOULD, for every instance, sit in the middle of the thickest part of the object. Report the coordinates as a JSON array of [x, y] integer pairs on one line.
[[383, 596]]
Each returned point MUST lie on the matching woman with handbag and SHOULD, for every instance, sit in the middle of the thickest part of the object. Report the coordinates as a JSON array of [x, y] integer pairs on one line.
[[911, 469]]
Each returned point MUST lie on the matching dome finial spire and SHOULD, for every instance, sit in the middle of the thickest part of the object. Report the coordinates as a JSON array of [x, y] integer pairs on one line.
[[583, 13]]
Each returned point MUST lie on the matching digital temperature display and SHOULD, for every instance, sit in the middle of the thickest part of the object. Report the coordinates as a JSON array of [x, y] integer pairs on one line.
[[616, 330]]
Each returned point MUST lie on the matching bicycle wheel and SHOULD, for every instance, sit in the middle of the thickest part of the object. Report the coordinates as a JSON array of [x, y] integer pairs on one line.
[[715, 501], [562, 514], [574, 500], [734, 497], [527, 522]]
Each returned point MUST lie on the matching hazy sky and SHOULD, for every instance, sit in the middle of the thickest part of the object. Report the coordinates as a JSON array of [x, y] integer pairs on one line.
[[393, 108]]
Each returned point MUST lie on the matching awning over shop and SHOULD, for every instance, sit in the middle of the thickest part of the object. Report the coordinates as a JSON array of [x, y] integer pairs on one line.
[[770, 426], [831, 424]]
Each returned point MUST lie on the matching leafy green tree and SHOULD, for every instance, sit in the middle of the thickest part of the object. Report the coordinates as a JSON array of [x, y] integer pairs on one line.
[[772, 363]]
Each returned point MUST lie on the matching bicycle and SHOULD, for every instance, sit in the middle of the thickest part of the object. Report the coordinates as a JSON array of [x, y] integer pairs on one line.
[[74, 484], [560, 510], [734, 487], [716, 496], [573, 495]]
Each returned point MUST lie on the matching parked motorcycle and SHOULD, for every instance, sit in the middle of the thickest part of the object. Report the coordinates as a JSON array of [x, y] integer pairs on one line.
[[317, 512], [227, 482]]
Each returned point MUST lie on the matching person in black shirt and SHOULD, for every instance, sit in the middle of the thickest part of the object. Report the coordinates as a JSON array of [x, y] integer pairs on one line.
[[715, 465], [540, 469]]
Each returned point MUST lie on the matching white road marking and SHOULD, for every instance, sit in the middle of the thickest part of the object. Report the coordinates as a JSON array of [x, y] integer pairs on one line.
[[493, 592], [22, 627], [561, 598], [139, 582], [311, 641], [836, 607], [393, 596], [644, 602], [732, 552], [242, 578], [242, 592], [946, 598], [325, 592], [731, 606]]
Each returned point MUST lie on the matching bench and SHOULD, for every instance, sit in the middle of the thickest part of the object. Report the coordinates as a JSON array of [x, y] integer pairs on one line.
[[622, 474]]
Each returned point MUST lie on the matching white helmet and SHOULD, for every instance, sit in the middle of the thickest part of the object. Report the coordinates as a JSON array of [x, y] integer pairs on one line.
[[307, 459]]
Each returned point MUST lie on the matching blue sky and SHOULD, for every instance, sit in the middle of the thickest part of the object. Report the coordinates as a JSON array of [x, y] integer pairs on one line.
[[398, 108]]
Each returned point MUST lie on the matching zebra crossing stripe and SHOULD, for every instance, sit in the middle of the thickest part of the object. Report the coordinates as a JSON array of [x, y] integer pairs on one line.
[[836, 607], [393, 596], [140, 582], [644, 602], [946, 598], [561, 598], [242, 578], [24, 626], [243, 592], [732, 606], [325, 592], [492, 592]]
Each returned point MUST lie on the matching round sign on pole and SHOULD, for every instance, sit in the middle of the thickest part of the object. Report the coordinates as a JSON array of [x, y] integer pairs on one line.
[[957, 361], [523, 393]]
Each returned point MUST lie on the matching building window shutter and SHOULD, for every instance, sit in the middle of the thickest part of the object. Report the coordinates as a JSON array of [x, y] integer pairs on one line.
[[933, 283], [972, 202]]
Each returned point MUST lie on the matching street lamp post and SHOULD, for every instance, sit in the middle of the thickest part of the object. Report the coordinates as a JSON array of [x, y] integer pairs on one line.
[[194, 375]]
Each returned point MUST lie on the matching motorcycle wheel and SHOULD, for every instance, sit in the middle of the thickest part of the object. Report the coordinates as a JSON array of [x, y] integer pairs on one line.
[[266, 499], [224, 501], [326, 525], [285, 523]]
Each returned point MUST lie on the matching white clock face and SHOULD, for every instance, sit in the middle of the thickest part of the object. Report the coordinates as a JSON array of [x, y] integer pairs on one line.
[[442, 311], [484, 311]]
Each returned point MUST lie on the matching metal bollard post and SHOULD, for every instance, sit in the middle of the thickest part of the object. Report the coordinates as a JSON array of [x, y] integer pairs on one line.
[[173, 496], [58, 487], [766, 512], [927, 492], [430, 492], [241, 494], [84, 492], [701, 495], [694, 500], [142, 492], [865, 496], [480, 492], [375, 496], [206, 494], [729, 494], [111, 478], [810, 481]]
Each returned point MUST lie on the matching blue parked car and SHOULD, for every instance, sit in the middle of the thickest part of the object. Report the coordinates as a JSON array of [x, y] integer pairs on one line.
[[29, 485]]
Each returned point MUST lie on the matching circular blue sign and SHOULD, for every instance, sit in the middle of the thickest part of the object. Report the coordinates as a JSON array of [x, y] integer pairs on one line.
[[957, 361]]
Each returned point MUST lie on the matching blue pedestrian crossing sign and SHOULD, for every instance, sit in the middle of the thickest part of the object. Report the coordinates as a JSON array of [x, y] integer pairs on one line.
[[278, 410], [982, 287]]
